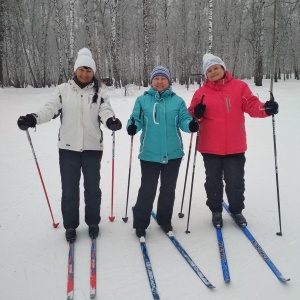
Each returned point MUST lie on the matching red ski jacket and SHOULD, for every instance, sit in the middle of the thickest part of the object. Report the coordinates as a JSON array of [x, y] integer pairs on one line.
[[222, 127]]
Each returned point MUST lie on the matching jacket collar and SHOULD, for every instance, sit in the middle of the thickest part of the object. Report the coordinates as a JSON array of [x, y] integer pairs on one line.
[[160, 95], [74, 85], [217, 85]]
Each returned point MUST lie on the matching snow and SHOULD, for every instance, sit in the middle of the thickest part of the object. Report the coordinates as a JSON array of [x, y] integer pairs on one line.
[[33, 255]]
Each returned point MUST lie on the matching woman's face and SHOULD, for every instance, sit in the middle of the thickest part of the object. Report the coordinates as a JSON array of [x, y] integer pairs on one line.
[[160, 83], [84, 75], [215, 73]]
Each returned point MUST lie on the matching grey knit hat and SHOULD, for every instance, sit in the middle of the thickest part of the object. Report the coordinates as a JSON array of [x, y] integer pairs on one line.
[[160, 71], [210, 60]]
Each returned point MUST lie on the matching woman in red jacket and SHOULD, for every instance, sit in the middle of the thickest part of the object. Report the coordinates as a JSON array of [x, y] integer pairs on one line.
[[220, 105]]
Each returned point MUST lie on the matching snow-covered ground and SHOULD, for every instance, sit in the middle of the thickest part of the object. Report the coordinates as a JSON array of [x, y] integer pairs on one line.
[[33, 255]]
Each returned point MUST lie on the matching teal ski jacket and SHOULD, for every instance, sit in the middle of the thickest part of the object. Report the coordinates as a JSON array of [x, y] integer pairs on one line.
[[160, 116]]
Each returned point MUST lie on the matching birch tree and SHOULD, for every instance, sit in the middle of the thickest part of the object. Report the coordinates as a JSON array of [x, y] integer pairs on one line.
[[210, 26], [71, 39], [103, 10], [23, 36], [58, 21], [129, 37], [114, 36], [1, 40], [97, 37], [88, 39], [256, 37], [239, 13], [166, 21], [146, 32], [183, 79]]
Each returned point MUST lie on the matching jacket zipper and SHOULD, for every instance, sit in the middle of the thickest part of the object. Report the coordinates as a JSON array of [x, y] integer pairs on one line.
[[227, 104]]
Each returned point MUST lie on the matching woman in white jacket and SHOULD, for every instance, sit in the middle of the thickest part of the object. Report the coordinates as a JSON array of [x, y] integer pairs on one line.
[[82, 107]]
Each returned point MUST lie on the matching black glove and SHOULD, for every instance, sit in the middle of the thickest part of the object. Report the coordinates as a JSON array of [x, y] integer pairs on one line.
[[199, 109], [271, 107], [131, 129], [24, 122], [114, 124], [194, 126]]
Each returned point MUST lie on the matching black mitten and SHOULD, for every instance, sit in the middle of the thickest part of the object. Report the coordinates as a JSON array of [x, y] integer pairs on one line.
[[194, 126], [271, 107], [131, 129], [200, 109], [114, 124], [24, 122]]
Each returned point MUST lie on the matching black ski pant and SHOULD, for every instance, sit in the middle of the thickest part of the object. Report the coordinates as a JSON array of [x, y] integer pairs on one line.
[[72, 163], [229, 168], [151, 171]]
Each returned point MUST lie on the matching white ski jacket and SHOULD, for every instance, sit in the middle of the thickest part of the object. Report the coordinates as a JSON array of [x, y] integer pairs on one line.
[[80, 117]]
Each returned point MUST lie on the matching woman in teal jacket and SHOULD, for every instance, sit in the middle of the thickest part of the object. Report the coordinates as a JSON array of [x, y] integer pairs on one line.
[[160, 114]]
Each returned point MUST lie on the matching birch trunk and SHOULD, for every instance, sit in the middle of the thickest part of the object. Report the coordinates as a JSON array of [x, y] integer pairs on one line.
[[58, 22], [210, 26], [114, 49], [71, 39], [88, 39], [1, 41]]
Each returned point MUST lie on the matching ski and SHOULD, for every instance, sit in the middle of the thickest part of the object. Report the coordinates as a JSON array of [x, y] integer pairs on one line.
[[186, 256], [70, 280], [259, 249], [223, 257], [149, 269], [93, 274]]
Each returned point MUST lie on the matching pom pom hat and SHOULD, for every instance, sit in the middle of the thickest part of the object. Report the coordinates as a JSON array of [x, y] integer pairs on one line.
[[85, 59], [210, 60], [160, 71]]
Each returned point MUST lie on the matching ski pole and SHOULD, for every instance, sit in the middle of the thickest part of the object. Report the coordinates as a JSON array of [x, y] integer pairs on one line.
[[125, 219], [55, 225], [273, 118], [192, 183], [181, 215], [111, 217], [276, 170]]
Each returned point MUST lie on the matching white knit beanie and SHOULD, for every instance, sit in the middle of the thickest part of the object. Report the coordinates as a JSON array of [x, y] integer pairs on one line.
[[85, 59], [210, 60]]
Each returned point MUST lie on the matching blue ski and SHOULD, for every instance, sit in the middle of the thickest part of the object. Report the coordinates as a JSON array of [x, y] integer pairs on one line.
[[259, 249], [149, 269], [223, 257], [186, 256]]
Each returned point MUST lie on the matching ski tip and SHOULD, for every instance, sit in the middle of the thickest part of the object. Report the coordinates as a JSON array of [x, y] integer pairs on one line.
[[111, 218]]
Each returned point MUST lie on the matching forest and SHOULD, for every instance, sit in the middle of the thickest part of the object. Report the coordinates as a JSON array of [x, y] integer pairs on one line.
[[39, 39]]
